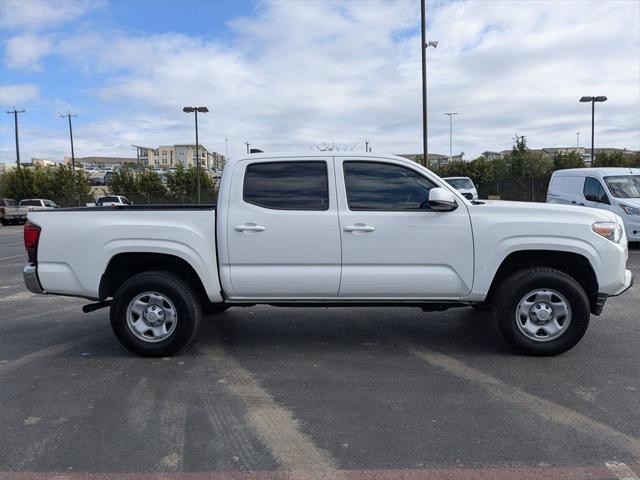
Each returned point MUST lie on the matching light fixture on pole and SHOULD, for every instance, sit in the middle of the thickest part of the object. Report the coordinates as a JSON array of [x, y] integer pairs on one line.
[[593, 101], [451, 114], [424, 46], [196, 110]]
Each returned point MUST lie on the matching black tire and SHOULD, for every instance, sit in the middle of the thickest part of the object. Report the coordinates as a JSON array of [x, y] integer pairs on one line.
[[518, 285], [4, 222], [179, 293]]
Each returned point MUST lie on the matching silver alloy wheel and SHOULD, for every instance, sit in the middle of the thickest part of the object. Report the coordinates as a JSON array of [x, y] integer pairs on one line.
[[543, 315], [151, 317]]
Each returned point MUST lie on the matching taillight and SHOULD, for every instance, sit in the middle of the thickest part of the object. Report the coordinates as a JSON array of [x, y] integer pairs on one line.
[[31, 238], [2, 211]]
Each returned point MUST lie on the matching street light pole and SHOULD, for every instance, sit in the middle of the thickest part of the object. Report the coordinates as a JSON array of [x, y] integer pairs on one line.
[[593, 101], [15, 113], [451, 114], [577, 139], [226, 148], [424, 46], [196, 110], [73, 155], [247, 144]]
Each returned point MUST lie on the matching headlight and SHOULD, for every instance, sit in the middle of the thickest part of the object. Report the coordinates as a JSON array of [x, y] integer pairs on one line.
[[630, 210], [609, 230]]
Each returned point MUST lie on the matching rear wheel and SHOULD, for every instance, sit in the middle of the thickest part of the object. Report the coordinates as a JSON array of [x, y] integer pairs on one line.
[[155, 314], [541, 311]]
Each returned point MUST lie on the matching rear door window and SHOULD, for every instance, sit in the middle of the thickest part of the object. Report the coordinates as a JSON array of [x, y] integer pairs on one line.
[[287, 185]]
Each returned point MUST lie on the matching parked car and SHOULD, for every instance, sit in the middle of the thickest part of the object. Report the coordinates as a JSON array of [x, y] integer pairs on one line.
[[34, 204], [327, 229], [112, 201], [464, 185], [10, 212], [613, 189]]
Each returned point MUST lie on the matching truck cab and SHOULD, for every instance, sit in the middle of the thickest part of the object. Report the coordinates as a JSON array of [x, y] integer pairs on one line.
[[318, 229]]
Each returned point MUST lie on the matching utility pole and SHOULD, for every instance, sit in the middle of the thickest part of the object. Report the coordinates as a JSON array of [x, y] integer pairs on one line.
[[73, 155], [15, 113], [247, 144], [451, 114], [366, 146], [577, 139]]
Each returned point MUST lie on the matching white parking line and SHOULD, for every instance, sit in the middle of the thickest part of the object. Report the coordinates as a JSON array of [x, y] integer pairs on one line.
[[542, 407], [12, 256], [296, 452], [621, 471], [47, 352]]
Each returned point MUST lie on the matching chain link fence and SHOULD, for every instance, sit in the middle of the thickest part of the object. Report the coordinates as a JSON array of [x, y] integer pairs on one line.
[[523, 189]]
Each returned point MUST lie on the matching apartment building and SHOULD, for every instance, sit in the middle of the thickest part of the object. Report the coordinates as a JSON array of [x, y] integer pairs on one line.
[[170, 156]]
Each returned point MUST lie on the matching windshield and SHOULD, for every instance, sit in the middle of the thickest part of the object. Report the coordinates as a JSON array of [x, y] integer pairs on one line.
[[459, 183], [624, 186]]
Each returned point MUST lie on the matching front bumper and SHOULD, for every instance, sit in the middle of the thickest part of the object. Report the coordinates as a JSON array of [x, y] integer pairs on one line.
[[30, 275], [597, 305], [628, 282]]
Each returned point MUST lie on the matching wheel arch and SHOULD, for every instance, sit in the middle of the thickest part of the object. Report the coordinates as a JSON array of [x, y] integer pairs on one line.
[[573, 264], [124, 265]]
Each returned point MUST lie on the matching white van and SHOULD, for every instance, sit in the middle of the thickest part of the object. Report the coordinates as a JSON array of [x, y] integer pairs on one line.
[[614, 189]]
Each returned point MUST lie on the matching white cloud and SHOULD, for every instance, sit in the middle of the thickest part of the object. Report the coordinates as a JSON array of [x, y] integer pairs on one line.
[[25, 51], [17, 94], [38, 14], [299, 73]]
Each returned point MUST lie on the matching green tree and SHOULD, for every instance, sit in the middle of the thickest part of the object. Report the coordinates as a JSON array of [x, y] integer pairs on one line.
[[123, 182], [71, 187], [563, 161], [150, 187]]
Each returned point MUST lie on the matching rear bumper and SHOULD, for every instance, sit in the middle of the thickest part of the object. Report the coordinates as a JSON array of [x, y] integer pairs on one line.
[[30, 275]]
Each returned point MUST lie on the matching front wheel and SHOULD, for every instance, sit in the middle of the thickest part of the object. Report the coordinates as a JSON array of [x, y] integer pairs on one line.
[[541, 311], [155, 314]]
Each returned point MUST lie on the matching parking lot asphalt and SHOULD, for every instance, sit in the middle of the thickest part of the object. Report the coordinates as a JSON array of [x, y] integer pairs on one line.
[[312, 393]]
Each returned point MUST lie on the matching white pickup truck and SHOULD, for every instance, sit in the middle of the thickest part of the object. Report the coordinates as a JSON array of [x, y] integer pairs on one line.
[[318, 229]]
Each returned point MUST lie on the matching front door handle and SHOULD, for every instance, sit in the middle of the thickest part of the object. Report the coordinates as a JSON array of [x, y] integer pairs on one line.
[[358, 227], [250, 228]]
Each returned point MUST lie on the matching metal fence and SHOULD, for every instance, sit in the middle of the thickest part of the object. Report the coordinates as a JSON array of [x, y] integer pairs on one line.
[[524, 189], [162, 197]]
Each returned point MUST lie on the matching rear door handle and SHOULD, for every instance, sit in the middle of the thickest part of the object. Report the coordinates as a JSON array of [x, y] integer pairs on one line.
[[250, 228], [358, 228]]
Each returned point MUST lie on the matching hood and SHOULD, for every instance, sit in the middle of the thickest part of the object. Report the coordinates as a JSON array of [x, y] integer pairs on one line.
[[551, 212], [632, 202]]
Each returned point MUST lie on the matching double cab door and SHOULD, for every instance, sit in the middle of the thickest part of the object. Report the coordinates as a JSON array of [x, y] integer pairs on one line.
[[342, 228]]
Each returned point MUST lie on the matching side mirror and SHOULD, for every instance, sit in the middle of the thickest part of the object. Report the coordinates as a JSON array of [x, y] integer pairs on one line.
[[442, 200]]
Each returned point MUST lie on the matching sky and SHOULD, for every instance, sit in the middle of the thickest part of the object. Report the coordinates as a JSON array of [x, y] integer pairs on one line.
[[291, 74]]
